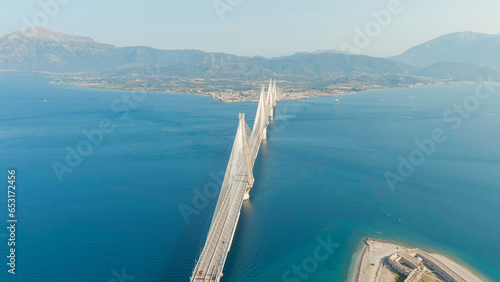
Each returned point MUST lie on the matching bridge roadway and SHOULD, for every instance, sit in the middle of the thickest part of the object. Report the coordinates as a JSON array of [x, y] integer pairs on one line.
[[237, 183]]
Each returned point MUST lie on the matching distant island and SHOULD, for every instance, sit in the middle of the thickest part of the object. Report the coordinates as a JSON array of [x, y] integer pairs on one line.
[[77, 60], [386, 261]]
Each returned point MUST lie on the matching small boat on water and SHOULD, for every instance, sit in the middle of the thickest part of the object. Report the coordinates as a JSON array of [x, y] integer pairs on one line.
[[337, 101]]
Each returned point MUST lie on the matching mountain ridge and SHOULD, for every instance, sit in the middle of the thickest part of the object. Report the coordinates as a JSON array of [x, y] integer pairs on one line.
[[45, 50], [460, 47], [41, 49]]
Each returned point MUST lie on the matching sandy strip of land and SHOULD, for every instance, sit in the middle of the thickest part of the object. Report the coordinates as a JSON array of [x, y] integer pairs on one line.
[[370, 267], [371, 261]]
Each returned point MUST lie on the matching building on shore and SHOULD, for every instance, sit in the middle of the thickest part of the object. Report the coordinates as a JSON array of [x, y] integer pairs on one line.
[[415, 264]]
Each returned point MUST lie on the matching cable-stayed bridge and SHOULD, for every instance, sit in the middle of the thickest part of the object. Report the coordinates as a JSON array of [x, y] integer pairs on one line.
[[236, 186]]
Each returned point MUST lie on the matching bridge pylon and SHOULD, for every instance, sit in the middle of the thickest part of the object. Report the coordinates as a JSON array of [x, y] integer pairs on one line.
[[236, 186]]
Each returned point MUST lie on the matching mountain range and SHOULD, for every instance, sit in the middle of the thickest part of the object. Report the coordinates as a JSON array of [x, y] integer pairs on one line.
[[462, 47], [459, 56]]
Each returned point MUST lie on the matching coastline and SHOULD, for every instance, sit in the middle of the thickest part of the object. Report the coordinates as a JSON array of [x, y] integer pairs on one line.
[[297, 96], [357, 264], [370, 267], [218, 96], [239, 97], [227, 95]]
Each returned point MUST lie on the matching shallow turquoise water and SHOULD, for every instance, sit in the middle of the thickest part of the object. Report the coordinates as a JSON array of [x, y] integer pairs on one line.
[[319, 176]]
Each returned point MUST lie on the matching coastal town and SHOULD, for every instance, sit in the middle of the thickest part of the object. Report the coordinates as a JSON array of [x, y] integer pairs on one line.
[[235, 90]]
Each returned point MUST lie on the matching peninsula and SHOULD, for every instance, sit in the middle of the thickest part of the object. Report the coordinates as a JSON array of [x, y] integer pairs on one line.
[[386, 261]]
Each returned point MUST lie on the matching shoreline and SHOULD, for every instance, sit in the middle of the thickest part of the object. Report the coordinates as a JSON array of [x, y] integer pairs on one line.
[[300, 96], [236, 97], [372, 265], [297, 96], [357, 269]]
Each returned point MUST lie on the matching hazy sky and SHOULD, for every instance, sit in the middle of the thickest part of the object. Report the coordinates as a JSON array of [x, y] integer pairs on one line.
[[259, 27]]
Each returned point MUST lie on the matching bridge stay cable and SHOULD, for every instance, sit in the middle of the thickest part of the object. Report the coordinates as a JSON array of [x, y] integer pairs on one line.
[[237, 183]]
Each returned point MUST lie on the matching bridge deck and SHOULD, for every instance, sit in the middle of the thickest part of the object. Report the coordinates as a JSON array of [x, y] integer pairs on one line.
[[237, 183]]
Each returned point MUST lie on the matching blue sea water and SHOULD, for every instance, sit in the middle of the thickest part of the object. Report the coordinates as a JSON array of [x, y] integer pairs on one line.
[[319, 176]]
